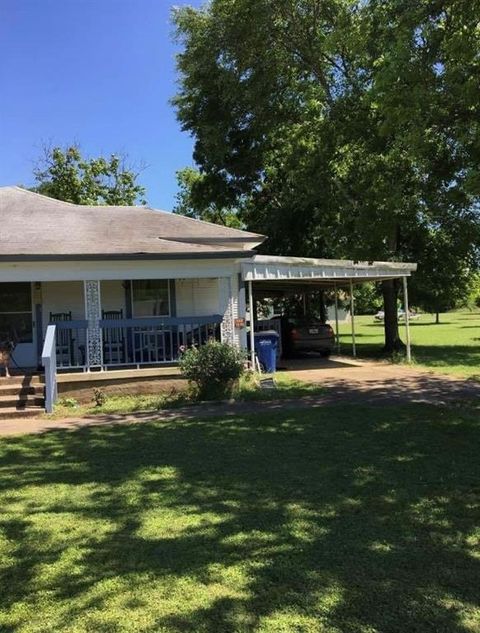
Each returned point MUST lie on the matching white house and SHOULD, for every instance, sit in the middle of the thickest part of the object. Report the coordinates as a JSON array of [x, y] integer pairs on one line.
[[129, 286], [94, 271]]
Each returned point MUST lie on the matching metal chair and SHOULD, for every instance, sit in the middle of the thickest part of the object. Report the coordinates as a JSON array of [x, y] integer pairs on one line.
[[114, 339], [65, 342]]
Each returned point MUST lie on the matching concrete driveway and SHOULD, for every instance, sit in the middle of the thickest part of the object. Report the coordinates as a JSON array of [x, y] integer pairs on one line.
[[382, 380]]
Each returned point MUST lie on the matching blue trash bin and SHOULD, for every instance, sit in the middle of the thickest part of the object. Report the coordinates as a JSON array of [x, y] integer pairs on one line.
[[266, 344]]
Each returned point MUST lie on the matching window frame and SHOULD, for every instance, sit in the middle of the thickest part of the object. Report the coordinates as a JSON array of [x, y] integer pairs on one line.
[[151, 316], [31, 337]]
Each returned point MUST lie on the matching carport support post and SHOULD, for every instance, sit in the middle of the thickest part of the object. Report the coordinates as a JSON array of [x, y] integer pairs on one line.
[[252, 324], [352, 316], [337, 334], [407, 319]]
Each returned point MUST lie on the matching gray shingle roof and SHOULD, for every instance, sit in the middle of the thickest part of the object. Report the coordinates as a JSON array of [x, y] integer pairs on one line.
[[35, 225]]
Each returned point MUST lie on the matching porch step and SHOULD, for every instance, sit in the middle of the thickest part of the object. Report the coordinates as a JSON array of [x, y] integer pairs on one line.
[[8, 413], [20, 396], [20, 400], [21, 380], [8, 389]]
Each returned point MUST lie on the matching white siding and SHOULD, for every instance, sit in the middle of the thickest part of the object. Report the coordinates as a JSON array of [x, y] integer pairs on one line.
[[68, 296], [194, 297], [143, 269], [113, 296], [62, 296], [197, 297]]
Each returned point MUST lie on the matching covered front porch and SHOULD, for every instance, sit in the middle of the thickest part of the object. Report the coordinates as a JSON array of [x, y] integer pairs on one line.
[[140, 322], [107, 324]]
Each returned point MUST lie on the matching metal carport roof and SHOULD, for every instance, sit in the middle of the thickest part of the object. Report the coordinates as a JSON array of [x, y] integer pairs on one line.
[[287, 271], [274, 274]]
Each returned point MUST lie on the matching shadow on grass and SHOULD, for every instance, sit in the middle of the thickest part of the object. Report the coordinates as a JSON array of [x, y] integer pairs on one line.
[[352, 519]]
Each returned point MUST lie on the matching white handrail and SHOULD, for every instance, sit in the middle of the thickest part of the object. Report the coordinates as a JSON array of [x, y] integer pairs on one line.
[[49, 362]]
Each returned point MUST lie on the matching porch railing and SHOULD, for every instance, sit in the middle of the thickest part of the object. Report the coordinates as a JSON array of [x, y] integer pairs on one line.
[[153, 341], [71, 344], [133, 342], [49, 362]]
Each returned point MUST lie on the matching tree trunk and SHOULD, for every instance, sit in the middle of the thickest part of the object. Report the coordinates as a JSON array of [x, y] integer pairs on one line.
[[393, 342], [437, 318]]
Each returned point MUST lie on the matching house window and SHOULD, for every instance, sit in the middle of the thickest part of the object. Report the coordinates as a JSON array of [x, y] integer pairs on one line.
[[16, 312], [150, 297]]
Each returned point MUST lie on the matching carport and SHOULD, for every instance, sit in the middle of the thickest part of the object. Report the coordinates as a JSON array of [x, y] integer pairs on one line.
[[296, 275]]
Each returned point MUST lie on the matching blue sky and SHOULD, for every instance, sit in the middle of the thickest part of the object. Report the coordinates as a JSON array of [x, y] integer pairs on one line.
[[99, 72]]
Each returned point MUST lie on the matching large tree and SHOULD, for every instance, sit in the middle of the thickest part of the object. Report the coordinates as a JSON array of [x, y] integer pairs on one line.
[[445, 277], [67, 175], [192, 202], [338, 127]]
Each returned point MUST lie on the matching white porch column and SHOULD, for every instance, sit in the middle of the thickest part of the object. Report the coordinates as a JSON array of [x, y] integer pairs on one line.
[[337, 333], [93, 314], [227, 327], [242, 313], [252, 324], [352, 316], [407, 320]]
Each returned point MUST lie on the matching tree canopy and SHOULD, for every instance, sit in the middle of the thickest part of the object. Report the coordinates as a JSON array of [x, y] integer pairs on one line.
[[192, 202], [66, 175], [344, 128]]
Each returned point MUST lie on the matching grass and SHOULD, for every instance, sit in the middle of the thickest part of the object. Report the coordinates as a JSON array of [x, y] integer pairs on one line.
[[332, 520], [248, 388], [114, 404], [452, 347], [285, 387]]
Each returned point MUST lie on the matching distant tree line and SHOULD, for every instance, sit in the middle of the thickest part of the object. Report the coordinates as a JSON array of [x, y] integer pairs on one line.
[[65, 174]]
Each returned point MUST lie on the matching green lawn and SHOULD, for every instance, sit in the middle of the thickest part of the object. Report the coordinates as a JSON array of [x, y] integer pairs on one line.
[[248, 388], [333, 520], [453, 346]]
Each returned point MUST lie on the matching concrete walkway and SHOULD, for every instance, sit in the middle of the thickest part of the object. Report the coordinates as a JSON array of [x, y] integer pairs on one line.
[[367, 383]]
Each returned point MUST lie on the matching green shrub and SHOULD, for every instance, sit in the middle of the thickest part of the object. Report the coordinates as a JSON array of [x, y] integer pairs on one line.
[[212, 369], [69, 403], [99, 397]]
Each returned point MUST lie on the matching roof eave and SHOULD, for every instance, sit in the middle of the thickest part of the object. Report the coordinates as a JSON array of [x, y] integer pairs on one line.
[[249, 239], [42, 257]]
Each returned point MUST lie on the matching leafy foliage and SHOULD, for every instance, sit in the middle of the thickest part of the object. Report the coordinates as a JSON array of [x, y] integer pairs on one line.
[[473, 300], [65, 174], [190, 201], [445, 278], [368, 299], [346, 128], [212, 368]]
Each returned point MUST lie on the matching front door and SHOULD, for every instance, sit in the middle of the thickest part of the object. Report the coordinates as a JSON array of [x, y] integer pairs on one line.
[[16, 321]]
